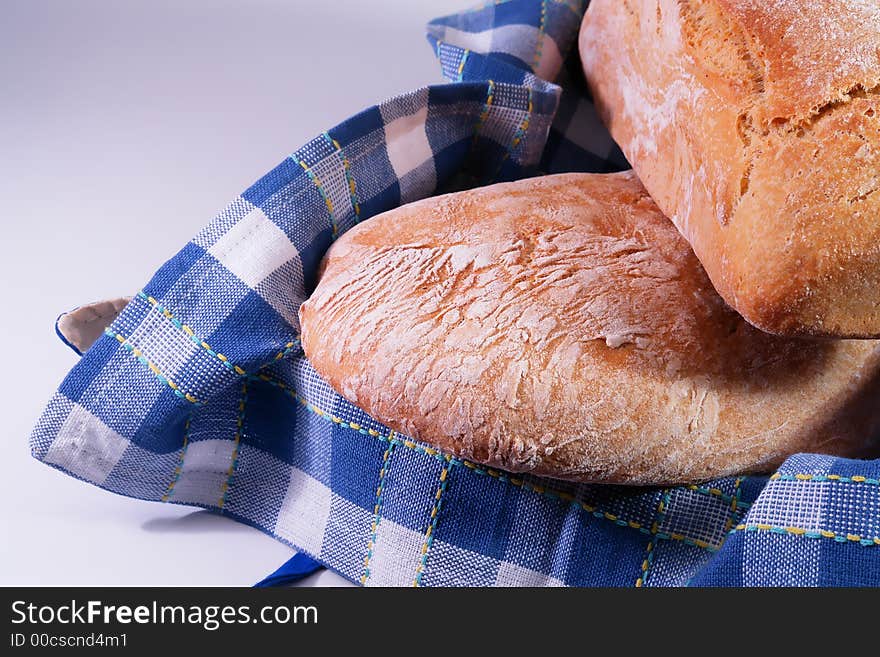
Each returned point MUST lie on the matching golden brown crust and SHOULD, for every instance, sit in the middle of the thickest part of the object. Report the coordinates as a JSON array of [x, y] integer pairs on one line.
[[561, 326], [755, 126]]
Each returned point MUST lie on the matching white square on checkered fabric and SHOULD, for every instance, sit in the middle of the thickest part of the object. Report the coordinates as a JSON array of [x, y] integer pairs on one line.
[[696, 516], [397, 553], [304, 513], [283, 290], [791, 504], [165, 345], [86, 447], [254, 248], [510, 574], [223, 222], [204, 472], [214, 455], [510, 39], [407, 142], [330, 174]]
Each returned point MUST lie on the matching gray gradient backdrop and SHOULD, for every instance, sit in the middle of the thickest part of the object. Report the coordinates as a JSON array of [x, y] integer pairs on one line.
[[125, 125]]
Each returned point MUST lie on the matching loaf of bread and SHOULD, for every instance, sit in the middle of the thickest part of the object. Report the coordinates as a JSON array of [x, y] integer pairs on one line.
[[755, 126], [562, 326]]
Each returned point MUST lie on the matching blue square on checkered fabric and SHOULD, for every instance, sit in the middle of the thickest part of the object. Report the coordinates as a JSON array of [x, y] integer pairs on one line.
[[855, 468], [516, 13], [223, 222], [562, 22], [219, 292], [165, 435], [357, 126], [474, 513], [411, 481], [629, 503], [356, 462], [258, 485], [848, 564], [175, 269], [418, 183], [311, 445], [217, 420], [289, 207], [772, 559], [377, 184], [849, 507], [346, 536], [672, 563], [537, 520], [143, 473], [88, 369], [49, 425], [277, 178], [444, 128], [479, 67], [370, 170], [750, 488], [726, 568], [381, 201], [311, 255], [303, 197], [265, 329], [447, 163], [593, 543], [283, 427], [123, 407], [449, 99], [458, 567]]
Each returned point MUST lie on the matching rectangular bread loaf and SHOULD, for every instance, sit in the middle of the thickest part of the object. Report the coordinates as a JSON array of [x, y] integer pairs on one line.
[[755, 126]]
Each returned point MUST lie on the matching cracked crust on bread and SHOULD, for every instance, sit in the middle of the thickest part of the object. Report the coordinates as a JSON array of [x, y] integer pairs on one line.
[[561, 326], [754, 125]]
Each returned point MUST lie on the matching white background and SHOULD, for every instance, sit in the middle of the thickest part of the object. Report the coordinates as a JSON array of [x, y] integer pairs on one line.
[[124, 127]]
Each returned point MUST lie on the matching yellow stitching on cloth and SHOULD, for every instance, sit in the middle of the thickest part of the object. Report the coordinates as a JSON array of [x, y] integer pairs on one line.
[[377, 517], [847, 479], [518, 136], [432, 522], [479, 469], [464, 58], [717, 492], [539, 44], [139, 355], [179, 469], [839, 537], [289, 347], [487, 106], [191, 333], [204, 345], [236, 445], [346, 167], [733, 504], [329, 203], [655, 529], [645, 564]]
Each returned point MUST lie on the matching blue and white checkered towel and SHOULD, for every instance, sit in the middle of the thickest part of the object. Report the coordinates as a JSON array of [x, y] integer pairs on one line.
[[199, 393]]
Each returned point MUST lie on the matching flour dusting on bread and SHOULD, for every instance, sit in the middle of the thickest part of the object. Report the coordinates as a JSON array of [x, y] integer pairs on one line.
[[561, 326]]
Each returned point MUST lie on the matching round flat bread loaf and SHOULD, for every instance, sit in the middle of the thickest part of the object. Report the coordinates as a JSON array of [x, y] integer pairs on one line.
[[561, 326]]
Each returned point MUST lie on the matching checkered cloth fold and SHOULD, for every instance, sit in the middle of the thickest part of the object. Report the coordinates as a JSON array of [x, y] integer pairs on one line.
[[199, 393]]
